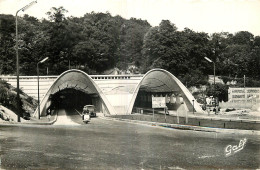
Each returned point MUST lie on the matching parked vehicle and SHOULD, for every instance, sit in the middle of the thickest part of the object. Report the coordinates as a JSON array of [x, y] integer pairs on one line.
[[91, 109]]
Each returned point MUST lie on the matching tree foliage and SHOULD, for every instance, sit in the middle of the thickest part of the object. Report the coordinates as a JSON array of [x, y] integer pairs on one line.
[[97, 42], [7, 42]]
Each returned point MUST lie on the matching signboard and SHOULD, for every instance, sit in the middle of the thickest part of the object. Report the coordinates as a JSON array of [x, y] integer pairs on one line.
[[243, 94], [158, 102]]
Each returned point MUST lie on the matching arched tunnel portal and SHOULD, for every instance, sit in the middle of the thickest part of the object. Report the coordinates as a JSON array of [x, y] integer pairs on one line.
[[73, 89], [161, 83]]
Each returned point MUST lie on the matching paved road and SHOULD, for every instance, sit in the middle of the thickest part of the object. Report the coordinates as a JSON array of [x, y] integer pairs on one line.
[[105, 144]]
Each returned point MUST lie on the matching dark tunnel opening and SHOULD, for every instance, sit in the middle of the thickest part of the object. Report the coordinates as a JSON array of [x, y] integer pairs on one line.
[[143, 100], [70, 99]]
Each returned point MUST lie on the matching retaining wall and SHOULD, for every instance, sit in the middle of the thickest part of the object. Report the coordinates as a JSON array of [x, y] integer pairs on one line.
[[215, 123]]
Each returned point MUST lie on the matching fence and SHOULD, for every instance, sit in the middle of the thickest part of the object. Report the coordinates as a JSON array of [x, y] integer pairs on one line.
[[239, 104], [193, 121]]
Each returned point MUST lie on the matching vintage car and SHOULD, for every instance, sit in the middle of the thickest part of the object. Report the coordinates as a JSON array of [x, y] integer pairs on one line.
[[91, 109]]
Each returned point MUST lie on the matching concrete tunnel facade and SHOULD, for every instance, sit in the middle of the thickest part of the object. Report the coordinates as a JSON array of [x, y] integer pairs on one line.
[[161, 82], [156, 81], [78, 81]]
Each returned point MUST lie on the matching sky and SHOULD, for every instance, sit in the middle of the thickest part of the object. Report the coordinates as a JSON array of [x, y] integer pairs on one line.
[[199, 15]]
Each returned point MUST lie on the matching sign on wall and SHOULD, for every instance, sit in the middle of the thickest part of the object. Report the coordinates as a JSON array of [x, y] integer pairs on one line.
[[158, 102], [243, 94]]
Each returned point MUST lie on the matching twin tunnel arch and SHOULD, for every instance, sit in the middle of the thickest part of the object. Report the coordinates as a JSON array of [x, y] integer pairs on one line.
[[75, 88]]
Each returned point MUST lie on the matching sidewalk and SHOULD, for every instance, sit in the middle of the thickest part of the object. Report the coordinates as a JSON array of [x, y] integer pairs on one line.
[[237, 115], [43, 120], [242, 114], [183, 127], [211, 121], [33, 121]]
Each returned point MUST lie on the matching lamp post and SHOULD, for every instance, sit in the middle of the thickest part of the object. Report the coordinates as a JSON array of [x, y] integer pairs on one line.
[[209, 60], [42, 61], [193, 106], [17, 57]]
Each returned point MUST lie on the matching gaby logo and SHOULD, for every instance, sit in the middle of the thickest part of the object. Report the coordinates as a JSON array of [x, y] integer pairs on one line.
[[231, 150]]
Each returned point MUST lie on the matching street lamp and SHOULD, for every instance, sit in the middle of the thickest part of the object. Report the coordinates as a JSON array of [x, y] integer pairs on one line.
[[209, 60], [193, 106], [42, 61], [17, 57]]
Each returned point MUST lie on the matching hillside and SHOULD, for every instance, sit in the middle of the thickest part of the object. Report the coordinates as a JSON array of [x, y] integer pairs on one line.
[[8, 103]]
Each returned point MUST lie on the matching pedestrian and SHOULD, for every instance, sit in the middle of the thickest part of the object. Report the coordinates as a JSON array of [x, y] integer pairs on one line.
[[49, 116], [208, 110], [49, 111], [166, 110]]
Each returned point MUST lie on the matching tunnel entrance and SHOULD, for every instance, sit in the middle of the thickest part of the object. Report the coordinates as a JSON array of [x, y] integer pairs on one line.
[[144, 100], [74, 99], [74, 89]]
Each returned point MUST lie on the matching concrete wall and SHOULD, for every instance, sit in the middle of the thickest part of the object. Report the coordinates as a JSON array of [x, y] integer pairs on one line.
[[107, 83], [118, 89], [215, 123]]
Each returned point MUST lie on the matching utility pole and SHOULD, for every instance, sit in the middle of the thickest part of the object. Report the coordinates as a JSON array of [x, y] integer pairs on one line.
[[244, 81], [39, 111], [215, 101], [17, 60]]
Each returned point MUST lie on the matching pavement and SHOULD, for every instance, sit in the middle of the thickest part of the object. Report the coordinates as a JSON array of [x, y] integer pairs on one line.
[[184, 127], [34, 121], [114, 144], [238, 114], [241, 114], [62, 119]]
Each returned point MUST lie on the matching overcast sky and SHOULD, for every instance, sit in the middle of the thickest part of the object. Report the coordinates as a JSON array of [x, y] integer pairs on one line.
[[199, 15]]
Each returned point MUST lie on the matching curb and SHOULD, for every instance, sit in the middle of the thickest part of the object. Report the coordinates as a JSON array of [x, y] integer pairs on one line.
[[186, 127], [215, 118], [30, 123], [212, 118], [44, 123]]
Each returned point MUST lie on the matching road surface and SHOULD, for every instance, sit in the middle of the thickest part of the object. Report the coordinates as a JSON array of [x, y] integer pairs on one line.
[[106, 144]]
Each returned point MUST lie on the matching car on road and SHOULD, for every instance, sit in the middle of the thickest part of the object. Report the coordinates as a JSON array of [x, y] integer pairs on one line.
[[91, 109]]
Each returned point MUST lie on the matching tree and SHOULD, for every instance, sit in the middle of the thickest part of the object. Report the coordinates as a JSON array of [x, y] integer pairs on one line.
[[33, 42], [220, 91], [161, 47], [7, 43], [197, 46], [57, 15], [243, 38], [60, 39], [97, 50], [131, 42], [180, 52]]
